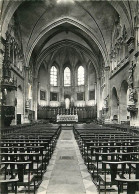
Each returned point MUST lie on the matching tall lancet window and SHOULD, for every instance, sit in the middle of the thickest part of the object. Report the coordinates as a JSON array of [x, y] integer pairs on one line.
[[80, 76], [53, 76], [67, 77]]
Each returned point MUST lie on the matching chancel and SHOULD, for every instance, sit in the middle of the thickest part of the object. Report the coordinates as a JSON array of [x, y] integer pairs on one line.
[[69, 96]]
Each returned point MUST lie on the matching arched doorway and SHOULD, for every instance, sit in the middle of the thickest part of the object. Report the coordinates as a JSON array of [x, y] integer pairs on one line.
[[114, 106], [123, 114]]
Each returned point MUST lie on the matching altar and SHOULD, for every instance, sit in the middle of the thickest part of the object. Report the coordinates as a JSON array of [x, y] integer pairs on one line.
[[68, 114], [67, 118]]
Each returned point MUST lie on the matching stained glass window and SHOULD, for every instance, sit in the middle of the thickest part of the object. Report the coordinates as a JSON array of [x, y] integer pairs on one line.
[[67, 77], [53, 76], [80, 76]]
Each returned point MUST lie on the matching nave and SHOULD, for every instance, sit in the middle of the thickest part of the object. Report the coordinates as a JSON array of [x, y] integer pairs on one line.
[[67, 172], [69, 98], [84, 158]]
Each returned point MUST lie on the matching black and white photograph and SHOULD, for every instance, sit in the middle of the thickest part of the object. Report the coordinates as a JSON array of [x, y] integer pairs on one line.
[[69, 96]]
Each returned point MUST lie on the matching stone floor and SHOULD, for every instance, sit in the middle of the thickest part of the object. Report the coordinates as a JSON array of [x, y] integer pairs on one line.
[[66, 172]]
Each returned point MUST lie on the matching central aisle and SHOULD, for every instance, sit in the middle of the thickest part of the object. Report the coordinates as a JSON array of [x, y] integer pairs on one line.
[[66, 172]]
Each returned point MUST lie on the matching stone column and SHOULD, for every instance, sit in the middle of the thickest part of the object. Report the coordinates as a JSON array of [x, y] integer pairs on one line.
[[107, 81], [72, 86], [26, 120], [1, 70], [133, 80], [137, 30], [1, 60], [98, 98], [61, 86], [95, 92], [135, 117], [136, 86], [106, 94], [75, 86], [48, 87], [48, 95], [35, 96], [86, 85]]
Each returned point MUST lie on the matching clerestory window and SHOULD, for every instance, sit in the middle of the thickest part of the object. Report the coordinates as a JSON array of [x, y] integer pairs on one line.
[[67, 77], [80, 75], [53, 76]]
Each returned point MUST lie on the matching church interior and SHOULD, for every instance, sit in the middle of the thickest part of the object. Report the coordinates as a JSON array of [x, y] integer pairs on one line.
[[69, 96]]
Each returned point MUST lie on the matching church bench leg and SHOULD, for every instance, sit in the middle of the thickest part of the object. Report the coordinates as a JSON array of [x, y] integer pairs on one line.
[[131, 188]]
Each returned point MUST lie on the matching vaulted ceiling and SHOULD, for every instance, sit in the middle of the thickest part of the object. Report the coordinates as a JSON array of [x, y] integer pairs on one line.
[[86, 26]]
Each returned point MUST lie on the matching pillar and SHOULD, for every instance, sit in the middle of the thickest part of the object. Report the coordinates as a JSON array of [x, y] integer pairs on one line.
[[1, 62], [72, 87], [86, 85], [107, 81], [99, 107], [61, 84], [135, 119], [35, 96]]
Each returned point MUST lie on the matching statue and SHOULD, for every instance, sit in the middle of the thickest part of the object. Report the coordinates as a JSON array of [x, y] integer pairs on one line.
[[130, 82], [67, 103], [130, 77], [117, 31], [131, 95], [106, 102], [132, 100]]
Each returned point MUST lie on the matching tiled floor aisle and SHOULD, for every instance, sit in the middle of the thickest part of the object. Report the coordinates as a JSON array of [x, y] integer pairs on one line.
[[66, 173]]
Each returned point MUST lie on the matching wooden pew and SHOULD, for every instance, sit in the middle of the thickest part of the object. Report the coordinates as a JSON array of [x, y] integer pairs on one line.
[[21, 171], [131, 185], [117, 168], [114, 169], [43, 158], [5, 183], [90, 155], [99, 145], [28, 145]]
